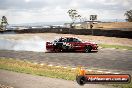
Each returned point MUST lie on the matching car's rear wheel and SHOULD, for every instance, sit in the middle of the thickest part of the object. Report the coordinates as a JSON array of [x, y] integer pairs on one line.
[[88, 49], [57, 47]]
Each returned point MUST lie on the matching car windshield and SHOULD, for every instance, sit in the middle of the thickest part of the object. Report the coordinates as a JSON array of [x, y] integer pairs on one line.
[[60, 40], [78, 40], [74, 40], [56, 40]]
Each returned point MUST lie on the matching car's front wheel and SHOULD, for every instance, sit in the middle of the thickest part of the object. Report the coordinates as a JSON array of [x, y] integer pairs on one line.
[[88, 49]]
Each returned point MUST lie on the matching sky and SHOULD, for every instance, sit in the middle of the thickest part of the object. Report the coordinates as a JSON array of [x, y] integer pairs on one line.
[[31, 11]]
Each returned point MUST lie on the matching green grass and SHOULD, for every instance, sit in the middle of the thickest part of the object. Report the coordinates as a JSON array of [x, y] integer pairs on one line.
[[37, 69], [115, 46]]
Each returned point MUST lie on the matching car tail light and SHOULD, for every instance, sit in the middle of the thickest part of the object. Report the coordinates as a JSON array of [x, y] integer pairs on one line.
[[49, 43]]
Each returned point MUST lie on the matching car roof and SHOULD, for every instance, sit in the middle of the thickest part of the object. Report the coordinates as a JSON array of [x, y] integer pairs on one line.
[[68, 37]]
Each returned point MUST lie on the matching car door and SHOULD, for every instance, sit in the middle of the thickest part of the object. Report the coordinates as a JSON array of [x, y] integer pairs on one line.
[[70, 43], [77, 44]]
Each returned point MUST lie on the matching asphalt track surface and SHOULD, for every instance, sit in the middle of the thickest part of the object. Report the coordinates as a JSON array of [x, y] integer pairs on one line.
[[20, 80], [103, 59]]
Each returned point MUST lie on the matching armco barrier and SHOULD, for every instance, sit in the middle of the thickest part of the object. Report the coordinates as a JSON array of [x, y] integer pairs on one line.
[[96, 32]]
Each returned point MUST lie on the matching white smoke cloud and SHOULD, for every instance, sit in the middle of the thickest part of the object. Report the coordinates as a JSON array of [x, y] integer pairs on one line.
[[35, 44]]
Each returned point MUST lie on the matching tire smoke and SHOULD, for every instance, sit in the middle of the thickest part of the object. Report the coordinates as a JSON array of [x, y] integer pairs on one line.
[[35, 44]]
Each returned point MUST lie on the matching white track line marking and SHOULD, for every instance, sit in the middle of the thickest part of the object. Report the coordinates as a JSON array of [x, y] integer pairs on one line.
[[73, 68], [35, 63], [58, 66], [50, 65], [64, 67], [99, 71], [76, 68], [90, 70], [41, 64], [116, 73], [107, 72]]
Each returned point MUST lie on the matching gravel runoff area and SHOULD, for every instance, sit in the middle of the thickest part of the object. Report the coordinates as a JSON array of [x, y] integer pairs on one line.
[[52, 36], [20, 80]]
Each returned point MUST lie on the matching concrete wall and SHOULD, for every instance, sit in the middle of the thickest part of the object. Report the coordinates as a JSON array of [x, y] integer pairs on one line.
[[97, 32]]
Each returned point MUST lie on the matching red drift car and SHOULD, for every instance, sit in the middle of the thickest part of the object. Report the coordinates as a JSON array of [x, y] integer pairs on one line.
[[70, 44]]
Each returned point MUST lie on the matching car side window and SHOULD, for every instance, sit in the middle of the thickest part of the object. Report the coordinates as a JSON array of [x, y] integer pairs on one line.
[[64, 40], [70, 40], [75, 40]]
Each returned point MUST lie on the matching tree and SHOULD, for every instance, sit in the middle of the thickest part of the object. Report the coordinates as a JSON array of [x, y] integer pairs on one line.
[[3, 23], [128, 15], [72, 14], [79, 16]]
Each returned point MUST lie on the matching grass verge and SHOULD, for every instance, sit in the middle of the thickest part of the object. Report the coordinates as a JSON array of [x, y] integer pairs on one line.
[[115, 46], [37, 69]]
